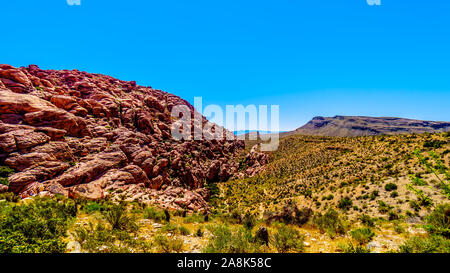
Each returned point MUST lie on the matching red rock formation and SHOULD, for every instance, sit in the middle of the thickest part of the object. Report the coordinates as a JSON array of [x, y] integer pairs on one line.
[[90, 135]]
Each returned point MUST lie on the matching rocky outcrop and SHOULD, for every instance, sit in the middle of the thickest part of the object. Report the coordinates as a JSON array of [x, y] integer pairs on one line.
[[91, 136]]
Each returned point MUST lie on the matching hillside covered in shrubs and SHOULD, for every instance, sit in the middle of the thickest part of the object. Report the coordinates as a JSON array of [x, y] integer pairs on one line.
[[317, 194]]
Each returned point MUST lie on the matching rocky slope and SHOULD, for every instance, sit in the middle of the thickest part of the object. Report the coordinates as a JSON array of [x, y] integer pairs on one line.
[[90, 135], [346, 126]]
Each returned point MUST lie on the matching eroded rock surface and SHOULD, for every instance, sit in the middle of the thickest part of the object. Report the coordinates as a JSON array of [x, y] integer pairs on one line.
[[90, 135]]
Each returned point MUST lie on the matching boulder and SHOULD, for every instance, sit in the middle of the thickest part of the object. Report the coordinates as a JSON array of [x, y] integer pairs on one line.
[[37, 173], [90, 191], [3, 188], [156, 182], [93, 167], [20, 162]]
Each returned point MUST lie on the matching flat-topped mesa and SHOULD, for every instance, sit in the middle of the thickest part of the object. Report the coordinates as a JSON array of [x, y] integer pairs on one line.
[[90, 135], [347, 126]]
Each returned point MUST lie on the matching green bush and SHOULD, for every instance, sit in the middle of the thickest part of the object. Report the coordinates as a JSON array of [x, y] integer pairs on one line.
[[184, 230], [390, 187], [348, 247], [226, 240], [154, 214], [367, 220], [383, 207], [331, 223], [10, 197], [4, 181], [418, 181], [116, 215], [5, 171], [100, 239], [398, 228], [345, 203], [328, 197], [362, 235], [374, 195], [36, 227], [438, 222], [394, 194], [249, 221], [168, 244], [169, 228], [91, 206], [432, 244], [434, 144], [288, 239]]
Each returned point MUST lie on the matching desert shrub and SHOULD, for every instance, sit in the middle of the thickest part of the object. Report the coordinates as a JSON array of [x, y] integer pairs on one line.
[[213, 189], [345, 203], [226, 240], [4, 181], [180, 213], [433, 144], [331, 223], [418, 181], [349, 247], [390, 187], [383, 207], [367, 220], [249, 221], [422, 198], [4, 173], [414, 204], [116, 215], [154, 214], [36, 227], [199, 232], [167, 215], [236, 216], [262, 236], [184, 230], [100, 239], [398, 228], [374, 195], [168, 244], [169, 227], [432, 244], [91, 207], [194, 218], [362, 235], [438, 222], [392, 215], [9, 197], [290, 214], [328, 197], [288, 239]]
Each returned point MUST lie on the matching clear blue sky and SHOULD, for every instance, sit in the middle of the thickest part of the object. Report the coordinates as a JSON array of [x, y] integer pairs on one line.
[[312, 57]]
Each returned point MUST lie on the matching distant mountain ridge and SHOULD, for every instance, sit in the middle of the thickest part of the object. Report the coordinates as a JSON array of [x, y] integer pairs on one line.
[[243, 132], [348, 126]]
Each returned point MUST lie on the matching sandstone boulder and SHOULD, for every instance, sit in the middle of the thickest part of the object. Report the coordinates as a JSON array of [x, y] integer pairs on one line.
[[93, 167]]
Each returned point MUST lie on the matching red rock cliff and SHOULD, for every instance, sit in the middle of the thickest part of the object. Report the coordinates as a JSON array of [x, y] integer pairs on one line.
[[90, 135]]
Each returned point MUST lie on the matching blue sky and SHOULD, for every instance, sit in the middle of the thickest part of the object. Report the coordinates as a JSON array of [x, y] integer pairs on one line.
[[311, 57]]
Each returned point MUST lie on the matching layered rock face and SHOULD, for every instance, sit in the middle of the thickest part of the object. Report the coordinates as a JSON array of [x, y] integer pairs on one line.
[[90, 135]]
